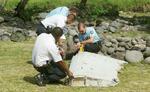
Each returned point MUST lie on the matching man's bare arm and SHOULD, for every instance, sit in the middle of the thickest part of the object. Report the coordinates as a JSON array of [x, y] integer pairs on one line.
[[64, 67]]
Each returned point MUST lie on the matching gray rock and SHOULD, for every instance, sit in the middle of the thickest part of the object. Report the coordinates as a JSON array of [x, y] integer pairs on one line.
[[147, 39], [32, 34], [119, 55], [116, 24], [122, 44], [104, 49], [105, 25], [100, 30], [110, 50], [1, 19], [72, 31], [147, 60], [126, 39], [122, 21], [5, 37], [112, 29], [120, 49], [134, 56], [147, 52], [114, 41], [134, 42], [119, 39], [128, 28], [108, 44]]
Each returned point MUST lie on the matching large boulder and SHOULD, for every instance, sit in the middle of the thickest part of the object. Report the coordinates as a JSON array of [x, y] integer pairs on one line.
[[147, 60], [147, 52], [134, 56]]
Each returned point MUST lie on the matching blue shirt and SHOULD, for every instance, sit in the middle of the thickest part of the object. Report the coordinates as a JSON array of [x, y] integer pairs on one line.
[[60, 11], [90, 31]]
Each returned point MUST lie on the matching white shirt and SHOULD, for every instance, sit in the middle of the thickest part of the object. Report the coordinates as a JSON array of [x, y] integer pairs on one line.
[[55, 21], [45, 49]]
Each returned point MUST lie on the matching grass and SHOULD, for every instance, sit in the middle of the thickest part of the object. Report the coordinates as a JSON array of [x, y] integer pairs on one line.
[[16, 73]]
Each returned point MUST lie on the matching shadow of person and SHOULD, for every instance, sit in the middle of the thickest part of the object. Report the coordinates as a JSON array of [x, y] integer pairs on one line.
[[29, 62], [30, 80]]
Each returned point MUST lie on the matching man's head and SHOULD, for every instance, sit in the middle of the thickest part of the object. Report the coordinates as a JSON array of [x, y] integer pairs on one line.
[[57, 32], [73, 10], [70, 18], [81, 28]]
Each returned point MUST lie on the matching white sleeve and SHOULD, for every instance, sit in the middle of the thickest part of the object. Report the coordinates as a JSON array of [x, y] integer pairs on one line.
[[55, 53]]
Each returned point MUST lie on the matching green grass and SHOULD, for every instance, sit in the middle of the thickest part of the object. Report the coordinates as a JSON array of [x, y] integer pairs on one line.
[[16, 73]]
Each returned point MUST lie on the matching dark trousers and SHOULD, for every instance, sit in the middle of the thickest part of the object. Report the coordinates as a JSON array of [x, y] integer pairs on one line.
[[93, 47], [51, 71], [40, 29]]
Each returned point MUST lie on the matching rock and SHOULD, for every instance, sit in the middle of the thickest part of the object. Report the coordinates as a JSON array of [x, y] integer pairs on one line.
[[128, 28], [32, 34], [108, 44], [120, 49], [147, 39], [116, 24], [122, 44], [134, 42], [126, 39], [100, 30], [122, 21], [134, 56], [42, 15], [112, 29], [70, 45], [114, 41], [147, 52], [72, 31], [110, 50], [1, 19], [18, 35], [5, 37], [119, 39], [119, 55], [147, 60], [140, 47], [104, 49], [105, 24]]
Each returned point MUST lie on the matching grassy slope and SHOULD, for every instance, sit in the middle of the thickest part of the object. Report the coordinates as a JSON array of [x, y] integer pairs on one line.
[[16, 73]]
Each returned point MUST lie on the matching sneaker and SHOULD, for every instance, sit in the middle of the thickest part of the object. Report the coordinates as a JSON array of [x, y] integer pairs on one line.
[[40, 80]]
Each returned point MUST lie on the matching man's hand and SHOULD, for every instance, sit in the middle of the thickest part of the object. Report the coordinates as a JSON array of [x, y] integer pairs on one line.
[[70, 75]]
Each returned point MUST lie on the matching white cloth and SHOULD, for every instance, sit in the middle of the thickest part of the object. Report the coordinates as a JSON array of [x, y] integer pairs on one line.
[[98, 70], [45, 49], [55, 21]]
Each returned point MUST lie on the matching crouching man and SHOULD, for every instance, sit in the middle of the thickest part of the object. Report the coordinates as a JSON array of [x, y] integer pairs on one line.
[[88, 38], [46, 58]]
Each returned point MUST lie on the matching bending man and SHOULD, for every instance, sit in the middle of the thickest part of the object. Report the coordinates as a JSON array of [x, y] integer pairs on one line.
[[46, 58]]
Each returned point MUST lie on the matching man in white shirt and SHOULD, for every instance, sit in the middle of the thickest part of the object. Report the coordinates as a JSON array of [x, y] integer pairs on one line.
[[55, 21], [46, 58]]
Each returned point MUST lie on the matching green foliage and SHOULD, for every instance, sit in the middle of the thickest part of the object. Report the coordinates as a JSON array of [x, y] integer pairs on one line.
[[93, 9]]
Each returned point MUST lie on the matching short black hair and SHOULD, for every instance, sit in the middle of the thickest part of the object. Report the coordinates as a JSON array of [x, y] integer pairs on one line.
[[57, 32]]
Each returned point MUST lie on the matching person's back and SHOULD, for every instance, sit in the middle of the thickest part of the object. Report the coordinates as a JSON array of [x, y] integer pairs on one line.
[[59, 11], [55, 21], [41, 51]]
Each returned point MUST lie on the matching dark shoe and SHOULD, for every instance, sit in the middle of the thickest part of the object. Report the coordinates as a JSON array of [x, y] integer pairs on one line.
[[40, 79]]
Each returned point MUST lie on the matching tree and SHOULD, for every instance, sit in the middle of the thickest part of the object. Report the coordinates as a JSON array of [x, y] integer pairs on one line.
[[83, 3], [20, 7]]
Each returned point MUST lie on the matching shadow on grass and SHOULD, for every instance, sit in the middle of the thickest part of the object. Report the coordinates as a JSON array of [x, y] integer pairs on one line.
[[30, 79], [29, 62]]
